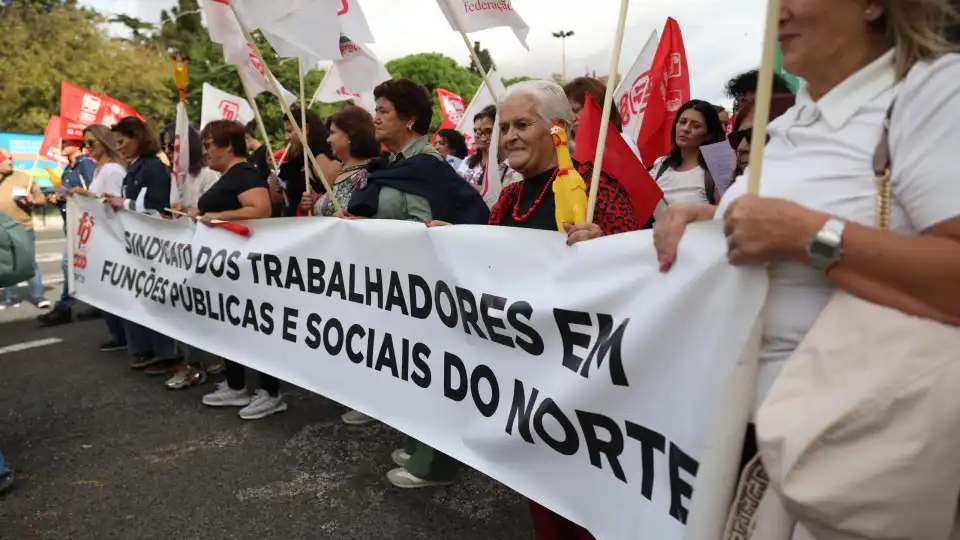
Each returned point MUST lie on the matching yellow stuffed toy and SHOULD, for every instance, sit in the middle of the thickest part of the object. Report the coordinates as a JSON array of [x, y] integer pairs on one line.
[[569, 189]]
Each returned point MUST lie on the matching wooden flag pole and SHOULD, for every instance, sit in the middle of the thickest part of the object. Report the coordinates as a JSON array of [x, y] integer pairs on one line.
[[289, 114], [303, 124], [607, 106], [720, 460], [256, 114], [313, 99], [476, 60]]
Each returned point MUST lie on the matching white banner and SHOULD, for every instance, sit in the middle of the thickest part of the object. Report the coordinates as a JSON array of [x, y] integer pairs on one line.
[[579, 376]]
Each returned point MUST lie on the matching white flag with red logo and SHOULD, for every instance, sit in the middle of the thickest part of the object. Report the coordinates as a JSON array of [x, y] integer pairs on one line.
[[476, 15], [353, 22], [670, 89], [219, 105], [181, 152], [332, 90], [631, 96], [359, 69], [481, 100], [225, 30]]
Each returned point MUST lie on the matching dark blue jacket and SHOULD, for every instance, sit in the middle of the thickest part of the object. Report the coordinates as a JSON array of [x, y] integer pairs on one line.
[[148, 173], [83, 167]]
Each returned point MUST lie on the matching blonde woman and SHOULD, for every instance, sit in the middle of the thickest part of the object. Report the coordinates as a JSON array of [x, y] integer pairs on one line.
[[813, 223], [111, 167]]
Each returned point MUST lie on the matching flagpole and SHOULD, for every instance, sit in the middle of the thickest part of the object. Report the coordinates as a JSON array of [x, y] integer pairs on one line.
[[303, 124], [256, 114], [607, 106], [313, 99], [476, 60], [288, 112]]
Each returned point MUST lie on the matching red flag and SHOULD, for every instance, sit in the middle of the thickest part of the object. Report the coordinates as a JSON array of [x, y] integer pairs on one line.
[[50, 146], [619, 161], [453, 107], [80, 107], [669, 89]]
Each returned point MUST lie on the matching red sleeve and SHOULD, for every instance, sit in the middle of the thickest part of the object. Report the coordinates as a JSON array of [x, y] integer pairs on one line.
[[301, 213], [614, 212], [507, 197]]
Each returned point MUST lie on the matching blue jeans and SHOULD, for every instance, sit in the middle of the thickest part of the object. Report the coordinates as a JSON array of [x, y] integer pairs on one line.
[[66, 301], [10, 294], [141, 341]]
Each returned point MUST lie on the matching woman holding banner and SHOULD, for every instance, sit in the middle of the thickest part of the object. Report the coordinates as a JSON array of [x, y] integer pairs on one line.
[[240, 194], [857, 209], [199, 177], [293, 171], [682, 174]]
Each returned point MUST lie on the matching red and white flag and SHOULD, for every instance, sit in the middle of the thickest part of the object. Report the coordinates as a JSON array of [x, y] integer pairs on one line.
[[670, 89], [353, 22], [225, 30], [80, 107], [219, 105], [631, 96], [50, 146], [475, 15], [181, 152], [481, 99], [332, 90], [452, 106]]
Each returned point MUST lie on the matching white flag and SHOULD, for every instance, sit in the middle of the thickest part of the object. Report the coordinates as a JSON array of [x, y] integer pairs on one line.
[[476, 15], [219, 105], [181, 151], [311, 33], [332, 90], [359, 69], [492, 185], [630, 97], [481, 99], [225, 30], [353, 22]]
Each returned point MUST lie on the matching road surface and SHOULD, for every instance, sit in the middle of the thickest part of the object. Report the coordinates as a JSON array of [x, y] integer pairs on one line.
[[105, 452]]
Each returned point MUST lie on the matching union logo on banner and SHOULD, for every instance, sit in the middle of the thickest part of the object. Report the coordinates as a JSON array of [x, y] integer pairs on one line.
[[454, 109], [344, 7], [342, 91], [471, 6], [229, 110], [255, 61], [84, 230]]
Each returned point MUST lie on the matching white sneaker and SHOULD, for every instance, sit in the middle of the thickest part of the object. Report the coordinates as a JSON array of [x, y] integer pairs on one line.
[[356, 418], [8, 305], [43, 304], [403, 479], [227, 397], [262, 405], [400, 457]]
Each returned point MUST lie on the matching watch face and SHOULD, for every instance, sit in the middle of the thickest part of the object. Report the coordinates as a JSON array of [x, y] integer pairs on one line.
[[822, 251]]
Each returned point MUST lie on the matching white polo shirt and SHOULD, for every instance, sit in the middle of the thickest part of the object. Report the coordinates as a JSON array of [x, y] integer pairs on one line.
[[820, 155]]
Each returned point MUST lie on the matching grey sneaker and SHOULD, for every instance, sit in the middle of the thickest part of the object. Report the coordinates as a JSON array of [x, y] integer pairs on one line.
[[400, 457], [9, 305], [262, 405], [356, 418], [404, 480], [227, 397]]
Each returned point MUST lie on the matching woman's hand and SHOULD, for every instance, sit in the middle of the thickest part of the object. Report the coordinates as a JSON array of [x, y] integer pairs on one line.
[[55, 198], [193, 213], [343, 214], [307, 202], [115, 202], [437, 223], [761, 230], [581, 231], [208, 218], [670, 227]]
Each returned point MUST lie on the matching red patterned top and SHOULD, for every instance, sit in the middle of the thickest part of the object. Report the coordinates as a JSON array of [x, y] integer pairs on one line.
[[614, 211]]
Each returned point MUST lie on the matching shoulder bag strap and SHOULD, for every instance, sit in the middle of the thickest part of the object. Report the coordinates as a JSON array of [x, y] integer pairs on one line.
[[882, 174]]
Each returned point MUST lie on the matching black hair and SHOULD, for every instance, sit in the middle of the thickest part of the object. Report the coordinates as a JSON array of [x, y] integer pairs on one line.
[[455, 141], [746, 82], [317, 132], [411, 100], [357, 124], [169, 135], [136, 129], [715, 134], [490, 111]]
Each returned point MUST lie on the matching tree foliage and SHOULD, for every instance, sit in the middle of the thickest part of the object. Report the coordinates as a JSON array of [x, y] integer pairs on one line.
[[485, 60], [137, 70]]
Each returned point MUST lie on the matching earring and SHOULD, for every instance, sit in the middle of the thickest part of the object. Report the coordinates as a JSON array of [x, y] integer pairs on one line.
[[409, 127]]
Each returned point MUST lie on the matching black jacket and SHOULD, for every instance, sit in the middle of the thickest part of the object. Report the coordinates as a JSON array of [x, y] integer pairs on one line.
[[151, 174], [451, 198]]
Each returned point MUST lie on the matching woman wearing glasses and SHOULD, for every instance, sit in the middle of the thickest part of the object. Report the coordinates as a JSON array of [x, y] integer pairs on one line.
[[474, 168]]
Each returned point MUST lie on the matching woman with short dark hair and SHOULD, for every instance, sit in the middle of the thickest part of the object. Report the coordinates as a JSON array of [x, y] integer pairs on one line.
[[199, 177], [452, 146], [354, 145]]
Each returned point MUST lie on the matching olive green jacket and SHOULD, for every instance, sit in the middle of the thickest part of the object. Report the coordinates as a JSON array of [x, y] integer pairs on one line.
[[395, 204]]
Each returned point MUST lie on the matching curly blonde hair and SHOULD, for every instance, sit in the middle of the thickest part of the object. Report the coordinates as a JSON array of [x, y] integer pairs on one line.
[[918, 30]]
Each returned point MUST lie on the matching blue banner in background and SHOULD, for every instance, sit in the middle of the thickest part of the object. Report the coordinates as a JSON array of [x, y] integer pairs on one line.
[[25, 149]]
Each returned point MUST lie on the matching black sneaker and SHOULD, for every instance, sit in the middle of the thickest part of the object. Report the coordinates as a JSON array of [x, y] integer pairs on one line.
[[89, 314], [112, 345], [55, 317], [143, 361]]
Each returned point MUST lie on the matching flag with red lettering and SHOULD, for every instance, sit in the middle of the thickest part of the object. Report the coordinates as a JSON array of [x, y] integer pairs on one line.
[[50, 146], [630, 98], [619, 161], [669, 89], [475, 15], [453, 107], [219, 105], [181, 152], [80, 107]]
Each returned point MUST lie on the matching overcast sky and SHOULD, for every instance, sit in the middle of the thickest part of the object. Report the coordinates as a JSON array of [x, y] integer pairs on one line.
[[722, 37]]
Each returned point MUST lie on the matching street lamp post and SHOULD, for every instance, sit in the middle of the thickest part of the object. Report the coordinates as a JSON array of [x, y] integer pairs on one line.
[[563, 35]]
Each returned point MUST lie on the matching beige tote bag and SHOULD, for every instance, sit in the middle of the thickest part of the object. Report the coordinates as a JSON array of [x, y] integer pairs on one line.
[[860, 433]]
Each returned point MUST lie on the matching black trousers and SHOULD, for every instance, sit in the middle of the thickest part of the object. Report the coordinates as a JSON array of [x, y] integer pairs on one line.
[[237, 379]]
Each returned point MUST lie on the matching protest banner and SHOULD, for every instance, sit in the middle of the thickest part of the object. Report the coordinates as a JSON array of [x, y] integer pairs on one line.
[[581, 376]]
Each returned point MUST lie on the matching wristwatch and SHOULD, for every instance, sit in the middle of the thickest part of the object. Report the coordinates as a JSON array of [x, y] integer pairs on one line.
[[826, 248]]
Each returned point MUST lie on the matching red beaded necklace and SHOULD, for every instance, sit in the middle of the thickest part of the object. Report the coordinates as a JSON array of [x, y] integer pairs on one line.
[[517, 218]]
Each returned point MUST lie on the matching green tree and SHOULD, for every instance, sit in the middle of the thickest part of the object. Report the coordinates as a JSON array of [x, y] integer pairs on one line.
[[68, 43], [435, 70], [485, 59], [515, 80]]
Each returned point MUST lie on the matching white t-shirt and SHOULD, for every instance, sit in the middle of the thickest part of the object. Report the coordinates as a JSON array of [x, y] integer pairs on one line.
[[108, 180], [820, 155], [678, 187], [197, 185]]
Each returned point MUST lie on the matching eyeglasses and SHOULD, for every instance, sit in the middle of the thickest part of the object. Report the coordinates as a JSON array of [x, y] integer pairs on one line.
[[89, 144], [737, 136]]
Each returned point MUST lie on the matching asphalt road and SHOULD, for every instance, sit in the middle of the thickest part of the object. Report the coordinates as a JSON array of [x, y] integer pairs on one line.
[[105, 452]]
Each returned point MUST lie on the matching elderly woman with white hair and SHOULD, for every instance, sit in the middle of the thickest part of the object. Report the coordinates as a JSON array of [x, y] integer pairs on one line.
[[527, 114], [873, 70]]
